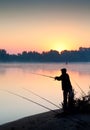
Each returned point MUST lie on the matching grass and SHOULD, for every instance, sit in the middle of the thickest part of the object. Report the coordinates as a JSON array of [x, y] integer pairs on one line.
[[82, 104]]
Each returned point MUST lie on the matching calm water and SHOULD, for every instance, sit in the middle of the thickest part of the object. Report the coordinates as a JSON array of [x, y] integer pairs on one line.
[[15, 77]]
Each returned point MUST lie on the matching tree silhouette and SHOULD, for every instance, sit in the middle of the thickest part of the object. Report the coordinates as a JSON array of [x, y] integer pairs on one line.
[[81, 55]]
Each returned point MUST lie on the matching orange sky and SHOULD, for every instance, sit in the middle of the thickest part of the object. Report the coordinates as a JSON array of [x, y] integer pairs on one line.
[[44, 27]]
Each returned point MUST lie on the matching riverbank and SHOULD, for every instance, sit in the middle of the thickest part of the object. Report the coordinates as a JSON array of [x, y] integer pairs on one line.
[[50, 121]]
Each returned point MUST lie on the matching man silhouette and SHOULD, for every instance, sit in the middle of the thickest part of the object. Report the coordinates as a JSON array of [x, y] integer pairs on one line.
[[67, 89]]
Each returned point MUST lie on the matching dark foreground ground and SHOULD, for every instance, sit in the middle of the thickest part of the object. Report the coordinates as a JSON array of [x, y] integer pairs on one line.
[[50, 121]]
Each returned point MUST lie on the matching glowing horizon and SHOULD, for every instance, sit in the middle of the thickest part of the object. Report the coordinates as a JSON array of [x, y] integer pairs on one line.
[[42, 26]]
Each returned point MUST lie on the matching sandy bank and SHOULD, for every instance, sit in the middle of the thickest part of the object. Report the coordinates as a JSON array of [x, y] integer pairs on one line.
[[50, 121]]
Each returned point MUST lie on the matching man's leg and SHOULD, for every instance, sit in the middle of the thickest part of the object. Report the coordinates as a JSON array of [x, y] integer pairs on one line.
[[65, 100], [71, 99]]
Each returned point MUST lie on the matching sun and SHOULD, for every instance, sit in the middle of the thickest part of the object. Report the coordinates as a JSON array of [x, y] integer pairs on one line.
[[59, 47]]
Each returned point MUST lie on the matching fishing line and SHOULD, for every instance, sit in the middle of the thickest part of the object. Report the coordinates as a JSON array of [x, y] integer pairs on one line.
[[54, 77], [79, 87], [71, 78], [41, 97], [27, 99]]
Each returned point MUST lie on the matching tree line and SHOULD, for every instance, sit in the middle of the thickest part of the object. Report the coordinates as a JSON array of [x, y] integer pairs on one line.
[[80, 55]]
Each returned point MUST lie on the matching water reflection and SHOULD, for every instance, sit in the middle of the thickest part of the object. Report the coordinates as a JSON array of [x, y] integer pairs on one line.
[[14, 77]]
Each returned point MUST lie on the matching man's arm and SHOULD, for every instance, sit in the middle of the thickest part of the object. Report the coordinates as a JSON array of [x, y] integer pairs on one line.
[[58, 78]]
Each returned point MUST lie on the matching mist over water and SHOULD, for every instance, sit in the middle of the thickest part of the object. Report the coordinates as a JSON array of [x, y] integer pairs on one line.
[[16, 76]]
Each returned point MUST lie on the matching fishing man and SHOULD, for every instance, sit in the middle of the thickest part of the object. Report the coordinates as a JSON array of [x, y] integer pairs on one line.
[[68, 94]]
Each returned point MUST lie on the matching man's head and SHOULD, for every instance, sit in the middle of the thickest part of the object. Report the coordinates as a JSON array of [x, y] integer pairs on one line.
[[63, 70]]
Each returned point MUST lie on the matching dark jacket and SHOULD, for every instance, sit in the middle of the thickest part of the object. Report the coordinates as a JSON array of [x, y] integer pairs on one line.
[[66, 84]]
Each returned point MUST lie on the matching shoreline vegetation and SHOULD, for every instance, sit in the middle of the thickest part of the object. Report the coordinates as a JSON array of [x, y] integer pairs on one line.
[[80, 55], [77, 118]]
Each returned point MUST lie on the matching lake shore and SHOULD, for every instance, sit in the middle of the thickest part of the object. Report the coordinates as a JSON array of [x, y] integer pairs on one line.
[[50, 121]]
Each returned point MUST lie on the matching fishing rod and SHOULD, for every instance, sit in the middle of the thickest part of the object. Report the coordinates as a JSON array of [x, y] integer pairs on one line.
[[27, 99], [79, 87], [54, 77], [43, 75], [41, 97]]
